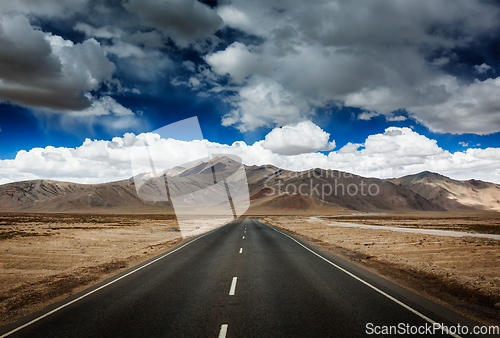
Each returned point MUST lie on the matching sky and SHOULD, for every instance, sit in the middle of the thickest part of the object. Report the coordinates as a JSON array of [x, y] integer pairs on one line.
[[380, 88]]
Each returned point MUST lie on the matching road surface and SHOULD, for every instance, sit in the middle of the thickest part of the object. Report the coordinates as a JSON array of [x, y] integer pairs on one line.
[[245, 279]]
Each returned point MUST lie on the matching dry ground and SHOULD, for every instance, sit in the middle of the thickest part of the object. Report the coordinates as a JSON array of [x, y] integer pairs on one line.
[[45, 258], [462, 273]]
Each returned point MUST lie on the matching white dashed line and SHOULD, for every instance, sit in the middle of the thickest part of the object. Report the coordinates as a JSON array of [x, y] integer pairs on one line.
[[241, 250], [223, 331], [233, 286]]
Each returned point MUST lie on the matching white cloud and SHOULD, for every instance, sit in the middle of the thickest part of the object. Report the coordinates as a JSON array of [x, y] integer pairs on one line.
[[483, 68], [396, 118], [463, 144], [396, 152], [43, 70], [303, 137], [372, 55], [473, 108], [264, 102], [106, 32], [238, 61], [184, 21], [105, 105]]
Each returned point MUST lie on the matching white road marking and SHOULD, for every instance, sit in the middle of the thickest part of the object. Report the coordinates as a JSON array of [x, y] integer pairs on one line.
[[233, 286], [99, 288], [372, 286], [223, 331], [241, 250]]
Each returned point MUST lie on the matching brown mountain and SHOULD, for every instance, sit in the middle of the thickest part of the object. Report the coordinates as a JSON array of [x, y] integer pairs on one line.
[[272, 190], [322, 190], [453, 194]]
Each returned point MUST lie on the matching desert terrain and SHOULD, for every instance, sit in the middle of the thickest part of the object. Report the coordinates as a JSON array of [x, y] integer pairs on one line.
[[462, 273], [57, 238], [47, 257]]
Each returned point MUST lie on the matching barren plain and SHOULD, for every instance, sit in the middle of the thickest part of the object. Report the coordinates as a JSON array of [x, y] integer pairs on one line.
[[47, 257]]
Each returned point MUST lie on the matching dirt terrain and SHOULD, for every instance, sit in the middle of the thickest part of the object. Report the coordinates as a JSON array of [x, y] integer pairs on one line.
[[462, 273], [47, 257]]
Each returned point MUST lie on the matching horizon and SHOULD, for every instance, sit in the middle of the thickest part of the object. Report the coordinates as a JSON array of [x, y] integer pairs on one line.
[[395, 91]]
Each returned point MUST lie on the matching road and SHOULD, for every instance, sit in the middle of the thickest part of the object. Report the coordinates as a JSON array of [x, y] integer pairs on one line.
[[245, 279]]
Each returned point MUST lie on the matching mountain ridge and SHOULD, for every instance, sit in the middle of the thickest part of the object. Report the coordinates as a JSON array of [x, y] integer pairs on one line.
[[271, 190]]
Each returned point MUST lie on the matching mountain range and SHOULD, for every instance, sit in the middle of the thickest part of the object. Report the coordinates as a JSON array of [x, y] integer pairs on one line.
[[272, 191]]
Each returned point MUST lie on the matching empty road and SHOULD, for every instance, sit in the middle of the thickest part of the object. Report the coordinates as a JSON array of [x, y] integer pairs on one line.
[[245, 279]]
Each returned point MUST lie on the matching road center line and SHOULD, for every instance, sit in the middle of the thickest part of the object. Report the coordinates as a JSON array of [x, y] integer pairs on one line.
[[223, 331], [102, 287], [241, 250], [371, 286], [233, 286]]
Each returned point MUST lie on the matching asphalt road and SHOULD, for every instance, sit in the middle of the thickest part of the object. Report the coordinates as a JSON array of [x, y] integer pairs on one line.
[[244, 279]]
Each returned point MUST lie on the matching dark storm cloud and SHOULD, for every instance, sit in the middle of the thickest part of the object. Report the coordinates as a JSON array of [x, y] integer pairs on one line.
[[184, 21], [42, 70]]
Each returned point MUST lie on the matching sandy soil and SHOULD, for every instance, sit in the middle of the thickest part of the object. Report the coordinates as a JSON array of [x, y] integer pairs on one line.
[[45, 258], [462, 273]]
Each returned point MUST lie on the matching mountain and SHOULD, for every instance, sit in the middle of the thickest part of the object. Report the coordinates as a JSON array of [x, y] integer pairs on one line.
[[453, 194], [272, 191], [54, 196], [326, 190]]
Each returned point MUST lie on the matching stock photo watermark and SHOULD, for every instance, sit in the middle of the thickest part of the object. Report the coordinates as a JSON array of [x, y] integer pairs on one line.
[[332, 184], [202, 188], [429, 329]]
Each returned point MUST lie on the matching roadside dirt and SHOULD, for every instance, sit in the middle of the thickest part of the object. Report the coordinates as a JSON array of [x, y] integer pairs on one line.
[[45, 258], [461, 273]]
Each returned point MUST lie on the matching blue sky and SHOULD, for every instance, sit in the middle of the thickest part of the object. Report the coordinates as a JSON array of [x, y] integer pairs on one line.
[[296, 82]]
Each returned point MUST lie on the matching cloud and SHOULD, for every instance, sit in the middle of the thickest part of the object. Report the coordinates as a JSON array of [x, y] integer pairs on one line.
[[483, 68], [472, 108], [184, 21], [303, 137], [394, 153], [237, 61], [463, 144], [45, 8], [104, 113], [264, 102], [43, 70], [139, 55], [379, 56], [396, 118]]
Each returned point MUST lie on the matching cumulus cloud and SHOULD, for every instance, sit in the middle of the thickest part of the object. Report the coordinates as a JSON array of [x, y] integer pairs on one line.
[[238, 62], [184, 21], [264, 102], [380, 56], [394, 153], [472, 108], [44, 70], [303, 137]]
